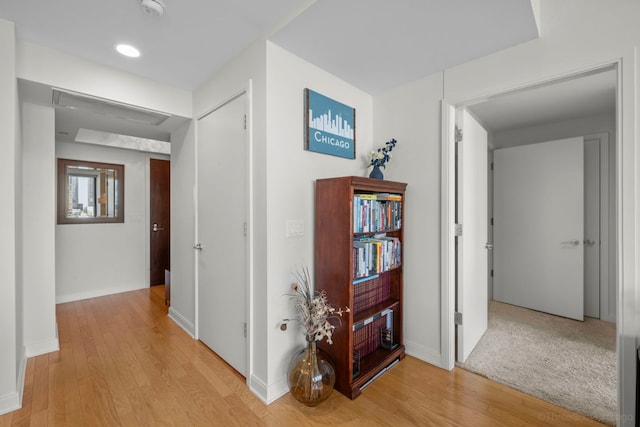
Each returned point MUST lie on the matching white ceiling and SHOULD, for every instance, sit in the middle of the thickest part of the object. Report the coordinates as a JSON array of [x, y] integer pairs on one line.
[[587, 95], [372, 44]]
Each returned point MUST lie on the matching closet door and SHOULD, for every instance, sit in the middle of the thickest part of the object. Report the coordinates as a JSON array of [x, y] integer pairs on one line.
[[539, 227]]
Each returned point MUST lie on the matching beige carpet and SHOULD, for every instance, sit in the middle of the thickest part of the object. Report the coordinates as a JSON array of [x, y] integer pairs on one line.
[[569, 363]]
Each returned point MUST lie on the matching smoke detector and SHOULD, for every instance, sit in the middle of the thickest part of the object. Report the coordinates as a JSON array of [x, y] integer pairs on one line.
[[153, 7]]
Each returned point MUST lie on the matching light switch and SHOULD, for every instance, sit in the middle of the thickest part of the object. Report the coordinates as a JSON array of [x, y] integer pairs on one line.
[[295, 227]]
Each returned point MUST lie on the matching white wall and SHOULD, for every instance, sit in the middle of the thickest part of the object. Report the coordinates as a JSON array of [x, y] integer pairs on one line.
[[557, 130], [12, 349], [291, 175], [101, 259], [411, 115], [183, 297], [569, 44], [282, 187], [39, 192], [56, 69]]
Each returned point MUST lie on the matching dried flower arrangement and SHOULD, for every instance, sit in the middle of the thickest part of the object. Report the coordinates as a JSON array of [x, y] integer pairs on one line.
[[314, 312]]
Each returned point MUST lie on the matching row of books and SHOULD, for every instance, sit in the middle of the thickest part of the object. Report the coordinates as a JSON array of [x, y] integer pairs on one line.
[[370, 291], [375, 254], [367, 334], [374, 212]]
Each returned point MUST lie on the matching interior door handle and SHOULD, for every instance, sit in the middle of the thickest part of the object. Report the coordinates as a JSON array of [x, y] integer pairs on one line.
[[571, 242], [589, 242], [488, 246], [199, 246], [156, 228]]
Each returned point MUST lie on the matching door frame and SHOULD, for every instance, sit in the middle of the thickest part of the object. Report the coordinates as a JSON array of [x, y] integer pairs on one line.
[[147, 214], [248, 92], [627, 193], [149, 222]]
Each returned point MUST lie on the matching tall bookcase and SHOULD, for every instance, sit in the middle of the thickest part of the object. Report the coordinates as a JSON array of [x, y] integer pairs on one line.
[[358, 261]]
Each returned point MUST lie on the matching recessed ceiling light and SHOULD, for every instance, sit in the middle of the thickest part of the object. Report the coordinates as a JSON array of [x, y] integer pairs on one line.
[[127, 50]]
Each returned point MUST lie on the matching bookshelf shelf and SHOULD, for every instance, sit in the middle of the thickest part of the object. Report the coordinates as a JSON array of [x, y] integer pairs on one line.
[[390, 303], [358, 260]]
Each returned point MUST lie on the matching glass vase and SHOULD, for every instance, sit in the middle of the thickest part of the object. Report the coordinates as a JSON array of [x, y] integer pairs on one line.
[[311, 375]]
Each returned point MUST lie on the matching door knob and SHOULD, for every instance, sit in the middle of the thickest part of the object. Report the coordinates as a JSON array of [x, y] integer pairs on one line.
[[199, 246], [488, 246], [589, 243], [156, 228]]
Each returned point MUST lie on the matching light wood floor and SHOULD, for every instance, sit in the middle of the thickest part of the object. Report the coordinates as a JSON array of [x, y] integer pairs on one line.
[[122, 361]]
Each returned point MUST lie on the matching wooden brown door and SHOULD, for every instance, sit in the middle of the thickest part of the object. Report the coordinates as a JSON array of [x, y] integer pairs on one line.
[[160, 225]]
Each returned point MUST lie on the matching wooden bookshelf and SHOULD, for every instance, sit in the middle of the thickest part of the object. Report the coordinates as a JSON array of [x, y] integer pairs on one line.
[[367, 214]]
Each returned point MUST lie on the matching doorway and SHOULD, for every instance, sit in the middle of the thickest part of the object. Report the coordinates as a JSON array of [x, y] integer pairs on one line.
[[580, 123], [222, 231], [160, 222]]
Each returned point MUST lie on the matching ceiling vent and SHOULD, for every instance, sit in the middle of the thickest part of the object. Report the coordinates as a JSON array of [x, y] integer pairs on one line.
[[81, 102]]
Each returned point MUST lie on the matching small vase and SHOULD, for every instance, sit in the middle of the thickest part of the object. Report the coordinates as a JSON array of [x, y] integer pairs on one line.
[[376, 173], [311, 375]]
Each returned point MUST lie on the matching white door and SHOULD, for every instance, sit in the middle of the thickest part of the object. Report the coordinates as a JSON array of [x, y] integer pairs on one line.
[[472, 294], [539, 226], [221, 225]]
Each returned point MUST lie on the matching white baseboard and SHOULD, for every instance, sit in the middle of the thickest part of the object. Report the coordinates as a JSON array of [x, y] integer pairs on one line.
[[42, 347], [182, 321], [276, 390], [268, 394], [60, 299], [424, 353], [13, 401], [37, 348], [258, 388]]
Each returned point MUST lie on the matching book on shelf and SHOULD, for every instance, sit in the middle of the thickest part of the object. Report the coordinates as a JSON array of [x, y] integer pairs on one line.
[[370, 291], [368, 334], [388, 196], [372, 255], [371, 214], [369, 320]]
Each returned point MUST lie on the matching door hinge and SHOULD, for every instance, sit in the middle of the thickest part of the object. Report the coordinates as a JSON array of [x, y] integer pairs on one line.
[[491, 273], [458, 134], [458, 230], [457, 318], [244, 231], [244, 123], [245, 329]]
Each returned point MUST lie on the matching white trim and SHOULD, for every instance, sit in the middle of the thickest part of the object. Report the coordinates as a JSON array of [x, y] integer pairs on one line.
[[447, 233], [182, 321], [13, 401], [271, 393], [61, 299], [10, 402], [258, 388], [250, 235], [607, 254], [424, 353], [43, 347], [627, 165]]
